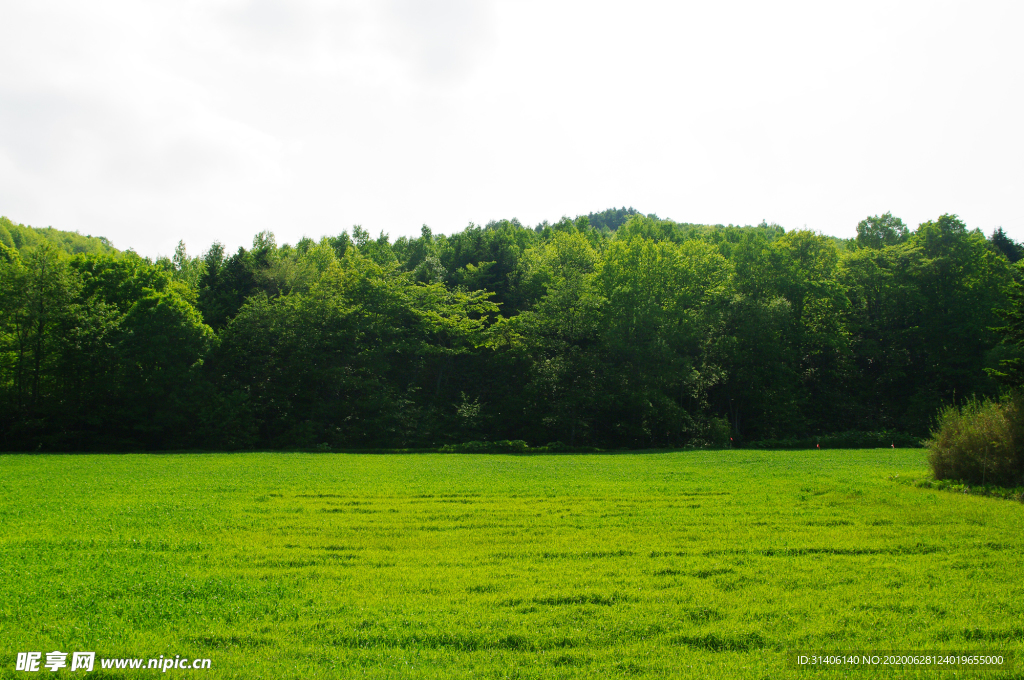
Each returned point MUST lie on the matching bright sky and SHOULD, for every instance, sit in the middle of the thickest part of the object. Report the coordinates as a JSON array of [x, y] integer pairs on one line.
[[149, 122]]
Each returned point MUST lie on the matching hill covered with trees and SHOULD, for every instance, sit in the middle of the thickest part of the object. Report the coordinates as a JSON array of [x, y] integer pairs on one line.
[[642, 332], [23, 238]]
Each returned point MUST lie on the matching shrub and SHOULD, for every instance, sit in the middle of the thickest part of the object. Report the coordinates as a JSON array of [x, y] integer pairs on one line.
[[503, 446], [719, 430], [981, 442]]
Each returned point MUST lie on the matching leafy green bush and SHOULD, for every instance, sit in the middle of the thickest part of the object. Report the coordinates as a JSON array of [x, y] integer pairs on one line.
[[981, 442]]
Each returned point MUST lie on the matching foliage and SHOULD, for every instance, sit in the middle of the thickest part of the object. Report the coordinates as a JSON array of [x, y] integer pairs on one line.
[[980, 442], [880, 231], [1010, 370], [503, 446], [611, 219], [1006, 246], [664, 304], [653, 333], [24, 238], [98, 351]]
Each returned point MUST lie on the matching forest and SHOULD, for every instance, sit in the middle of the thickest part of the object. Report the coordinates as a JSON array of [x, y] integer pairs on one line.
[[615, 330]]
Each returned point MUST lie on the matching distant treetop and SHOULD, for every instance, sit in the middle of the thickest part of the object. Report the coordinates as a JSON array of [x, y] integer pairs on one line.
[[1012, 250], [25, 238], [613, 218]]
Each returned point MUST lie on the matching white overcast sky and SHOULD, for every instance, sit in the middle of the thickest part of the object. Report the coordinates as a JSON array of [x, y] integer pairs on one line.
[[148, 122]]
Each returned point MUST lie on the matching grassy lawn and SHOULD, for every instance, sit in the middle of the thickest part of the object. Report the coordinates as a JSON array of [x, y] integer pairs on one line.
[[702, 564]]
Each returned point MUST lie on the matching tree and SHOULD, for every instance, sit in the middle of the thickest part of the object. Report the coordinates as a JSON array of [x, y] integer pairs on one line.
[[759, 356], [612, 219], [226, 284], [57, 351], [38, 297], [886, 335], [802, 268], [880, 231], [162, 343], [1010, 249], [1010, 370], [188, 270], [561, 335], [663, 304]]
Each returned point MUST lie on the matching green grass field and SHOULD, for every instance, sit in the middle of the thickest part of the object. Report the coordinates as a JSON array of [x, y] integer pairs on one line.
[[699, 564]]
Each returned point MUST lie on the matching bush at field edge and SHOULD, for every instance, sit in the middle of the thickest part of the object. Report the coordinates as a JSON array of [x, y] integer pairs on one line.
[[981, 442]]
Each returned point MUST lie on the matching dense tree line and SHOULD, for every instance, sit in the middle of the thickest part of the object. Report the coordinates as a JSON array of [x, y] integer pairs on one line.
[[636, 333]]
